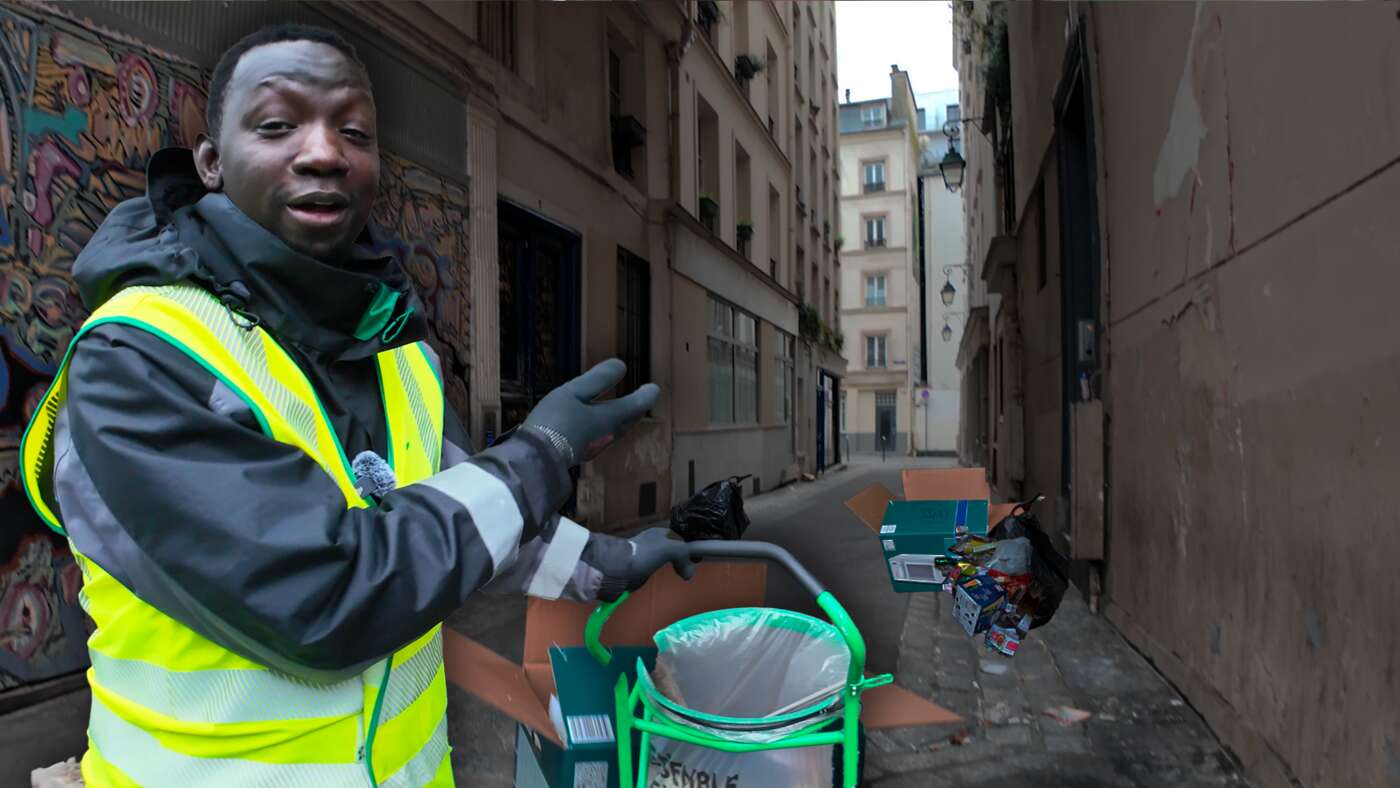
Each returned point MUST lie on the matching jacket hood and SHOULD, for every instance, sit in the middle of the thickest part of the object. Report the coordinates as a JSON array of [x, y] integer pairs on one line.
[[179, 231]]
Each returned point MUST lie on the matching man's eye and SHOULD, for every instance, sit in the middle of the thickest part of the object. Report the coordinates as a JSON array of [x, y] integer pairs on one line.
[[274, 126], [356, 134]]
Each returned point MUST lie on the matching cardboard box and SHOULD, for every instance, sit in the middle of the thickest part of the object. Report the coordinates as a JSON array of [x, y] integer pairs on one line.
[[522, 691], [976, 601], [582, 712], [881, 509], [916, 535]]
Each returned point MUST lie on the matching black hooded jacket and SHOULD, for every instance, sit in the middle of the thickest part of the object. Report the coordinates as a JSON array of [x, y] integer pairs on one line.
[[164, 478]]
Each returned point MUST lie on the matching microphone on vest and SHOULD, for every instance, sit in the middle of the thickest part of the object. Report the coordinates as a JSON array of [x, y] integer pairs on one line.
[[373, 476]]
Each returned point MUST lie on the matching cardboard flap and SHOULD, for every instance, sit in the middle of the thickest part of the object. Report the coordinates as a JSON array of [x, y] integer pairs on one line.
[[893, 706], [946, 484], [869, 505], [496, 680], [665, 599]]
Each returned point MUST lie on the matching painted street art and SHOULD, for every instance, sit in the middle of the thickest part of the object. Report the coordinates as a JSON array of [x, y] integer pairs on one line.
[[422, 206], [80, 114]]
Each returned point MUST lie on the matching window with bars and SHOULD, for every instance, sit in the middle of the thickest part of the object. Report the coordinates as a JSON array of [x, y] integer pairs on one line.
[[633, 319], [732, 361], [874, 176], [875, 290], [783, 376], [874, 231], [875, 351]]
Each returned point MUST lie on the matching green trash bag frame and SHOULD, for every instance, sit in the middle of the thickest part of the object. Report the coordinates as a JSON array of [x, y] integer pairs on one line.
[[655, 710]]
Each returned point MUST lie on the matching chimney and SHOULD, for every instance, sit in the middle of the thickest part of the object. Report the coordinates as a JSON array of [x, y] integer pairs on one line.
[[894, 68], [848, 95]]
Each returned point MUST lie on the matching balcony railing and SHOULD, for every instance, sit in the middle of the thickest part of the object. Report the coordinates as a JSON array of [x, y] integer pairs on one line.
[[874, 186], [874, 243]]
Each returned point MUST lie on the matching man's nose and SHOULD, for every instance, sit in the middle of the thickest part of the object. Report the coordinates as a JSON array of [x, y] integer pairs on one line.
[[321, 152]]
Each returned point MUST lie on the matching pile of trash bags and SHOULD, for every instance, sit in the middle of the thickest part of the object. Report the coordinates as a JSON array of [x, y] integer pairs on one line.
[[716, 512], [1006, 583]]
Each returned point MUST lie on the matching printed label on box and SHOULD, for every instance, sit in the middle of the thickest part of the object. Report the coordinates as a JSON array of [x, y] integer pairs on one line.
[[887, 529], [590, 729], [591, 774], [889, 544]]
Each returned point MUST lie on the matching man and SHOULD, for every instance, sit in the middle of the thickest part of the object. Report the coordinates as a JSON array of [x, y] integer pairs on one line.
[[269, 611]]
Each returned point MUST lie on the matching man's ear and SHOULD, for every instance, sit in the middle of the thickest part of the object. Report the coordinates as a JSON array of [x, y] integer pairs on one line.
[[207, 164]]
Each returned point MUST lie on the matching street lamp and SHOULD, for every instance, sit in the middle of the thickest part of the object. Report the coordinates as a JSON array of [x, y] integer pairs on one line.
[[949, 292], [947, 332], [952, 167]]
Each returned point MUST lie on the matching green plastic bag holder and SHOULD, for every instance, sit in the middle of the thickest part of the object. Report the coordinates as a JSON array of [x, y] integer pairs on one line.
[[653, 722]]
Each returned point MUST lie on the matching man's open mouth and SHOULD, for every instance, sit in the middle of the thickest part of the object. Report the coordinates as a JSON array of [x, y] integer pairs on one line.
[[319, 207]]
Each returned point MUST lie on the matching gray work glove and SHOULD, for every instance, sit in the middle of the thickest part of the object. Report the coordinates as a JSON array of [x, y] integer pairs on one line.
[[626, 564], [579, 428]]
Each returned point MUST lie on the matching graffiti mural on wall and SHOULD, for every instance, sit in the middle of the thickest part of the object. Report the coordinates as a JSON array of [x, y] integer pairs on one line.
[[82, 113], [429, 214]]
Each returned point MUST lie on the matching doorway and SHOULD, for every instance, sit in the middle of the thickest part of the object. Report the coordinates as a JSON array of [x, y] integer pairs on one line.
[[540, 325], [884, 421]]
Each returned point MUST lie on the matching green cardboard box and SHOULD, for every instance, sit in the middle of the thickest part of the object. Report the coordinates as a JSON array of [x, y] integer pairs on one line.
[[583, 716], [915, 537]]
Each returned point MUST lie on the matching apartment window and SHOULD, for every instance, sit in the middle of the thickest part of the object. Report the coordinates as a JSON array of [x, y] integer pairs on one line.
[[633, 318], [954, 113], [873, 179], [614, 83], [872, 116], [784, 372], [707, 161], [495, 30], [875, 351], [875, 290], [874, 231], [707, 16], [732, 358]]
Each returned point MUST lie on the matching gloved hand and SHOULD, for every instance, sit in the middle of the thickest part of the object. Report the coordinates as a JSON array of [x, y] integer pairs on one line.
[[579, 428], [634, 560]]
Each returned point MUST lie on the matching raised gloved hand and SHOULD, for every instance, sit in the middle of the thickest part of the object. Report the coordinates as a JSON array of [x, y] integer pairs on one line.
[[578, 427], [626, 564]]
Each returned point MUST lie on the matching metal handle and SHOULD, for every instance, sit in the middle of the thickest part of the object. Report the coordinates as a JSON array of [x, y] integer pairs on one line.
[[719, 548]]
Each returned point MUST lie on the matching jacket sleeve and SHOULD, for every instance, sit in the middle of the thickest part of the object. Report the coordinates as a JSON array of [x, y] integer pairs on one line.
[[164, 479]]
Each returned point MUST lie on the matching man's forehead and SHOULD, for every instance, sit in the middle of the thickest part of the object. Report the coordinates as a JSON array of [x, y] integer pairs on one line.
[[311, 63]]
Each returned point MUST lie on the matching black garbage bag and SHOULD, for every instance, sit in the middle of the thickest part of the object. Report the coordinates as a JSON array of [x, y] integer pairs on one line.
[[716, 512], [1049, 569]]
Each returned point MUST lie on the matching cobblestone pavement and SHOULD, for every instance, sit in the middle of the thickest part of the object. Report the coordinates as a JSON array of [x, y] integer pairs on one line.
[[1140, 732]]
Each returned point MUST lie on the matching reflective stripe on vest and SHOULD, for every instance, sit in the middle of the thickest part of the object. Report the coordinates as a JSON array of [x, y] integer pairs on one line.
[[168, 704]]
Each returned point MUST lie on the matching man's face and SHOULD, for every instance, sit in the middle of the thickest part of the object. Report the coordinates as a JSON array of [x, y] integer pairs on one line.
[[298, 150]]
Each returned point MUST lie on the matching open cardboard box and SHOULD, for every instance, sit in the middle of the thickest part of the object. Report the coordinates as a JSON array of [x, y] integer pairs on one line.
[[523, 691], [929, 484]]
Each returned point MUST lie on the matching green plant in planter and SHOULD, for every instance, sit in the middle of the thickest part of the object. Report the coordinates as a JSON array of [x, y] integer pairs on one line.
[[709, 207], [744, 230]]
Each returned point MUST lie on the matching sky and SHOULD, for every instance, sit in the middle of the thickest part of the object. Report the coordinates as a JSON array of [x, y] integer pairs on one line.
[[872, 35]]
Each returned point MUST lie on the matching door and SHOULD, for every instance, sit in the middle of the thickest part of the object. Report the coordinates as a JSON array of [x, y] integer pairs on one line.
[[884, 421], [821, 424], [539, 309]]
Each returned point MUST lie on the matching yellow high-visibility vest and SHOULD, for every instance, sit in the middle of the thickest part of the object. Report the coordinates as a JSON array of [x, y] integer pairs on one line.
[[171, 707]]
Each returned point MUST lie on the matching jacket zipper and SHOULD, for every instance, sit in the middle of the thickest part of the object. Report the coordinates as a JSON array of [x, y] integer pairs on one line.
[[374, 720]]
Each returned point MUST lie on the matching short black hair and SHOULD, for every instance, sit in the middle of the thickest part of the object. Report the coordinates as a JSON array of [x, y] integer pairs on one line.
[[274, 34]]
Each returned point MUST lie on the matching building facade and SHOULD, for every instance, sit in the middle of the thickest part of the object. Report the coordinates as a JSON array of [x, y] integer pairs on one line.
[[1189, 346], [882, 276], [567, 182], [947, 289]]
